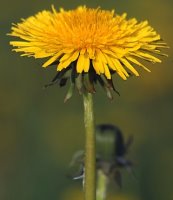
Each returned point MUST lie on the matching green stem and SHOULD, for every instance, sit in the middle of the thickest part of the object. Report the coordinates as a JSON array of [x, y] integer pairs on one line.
[[90, 152], [101, 185]]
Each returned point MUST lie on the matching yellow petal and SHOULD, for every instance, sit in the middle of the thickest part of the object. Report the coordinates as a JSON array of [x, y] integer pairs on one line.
[[119, 67], [82, 51], [28, 49], [74, 56], [65, 57], [51, 60], [118, 50], [122, 75], [116, 66], [110, 63], [70, 56], [20, 44], [96, 66], [137, 62], [83, 63], [101, 56], [107, 72], [86, 64], [109, 52], [146, 56], [63, 65], [91, 53], [99, 65], [42, 54], [129, 66]]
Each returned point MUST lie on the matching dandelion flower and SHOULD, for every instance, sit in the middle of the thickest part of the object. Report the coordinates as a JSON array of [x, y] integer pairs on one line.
[[88, 45]]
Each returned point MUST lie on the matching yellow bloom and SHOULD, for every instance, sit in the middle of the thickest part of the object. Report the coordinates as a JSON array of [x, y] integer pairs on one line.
[[89, 38]]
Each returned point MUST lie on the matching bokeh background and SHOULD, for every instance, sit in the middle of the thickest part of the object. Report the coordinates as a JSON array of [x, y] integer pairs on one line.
[[39, 133]]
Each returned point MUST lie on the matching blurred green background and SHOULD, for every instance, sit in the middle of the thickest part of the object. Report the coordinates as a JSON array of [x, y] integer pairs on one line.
[[39, 133]]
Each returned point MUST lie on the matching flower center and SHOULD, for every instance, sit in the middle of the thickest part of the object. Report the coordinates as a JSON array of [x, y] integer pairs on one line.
[[86, 28]]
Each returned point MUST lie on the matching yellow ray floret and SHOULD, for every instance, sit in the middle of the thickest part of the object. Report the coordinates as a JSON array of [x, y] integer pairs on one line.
[[89, 38]]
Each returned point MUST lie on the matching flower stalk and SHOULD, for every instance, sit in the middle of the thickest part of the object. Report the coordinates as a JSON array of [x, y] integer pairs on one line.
[[90, 149], [101, 185]]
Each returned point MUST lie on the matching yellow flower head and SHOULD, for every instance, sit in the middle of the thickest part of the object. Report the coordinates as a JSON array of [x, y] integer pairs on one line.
[[88, 40]]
